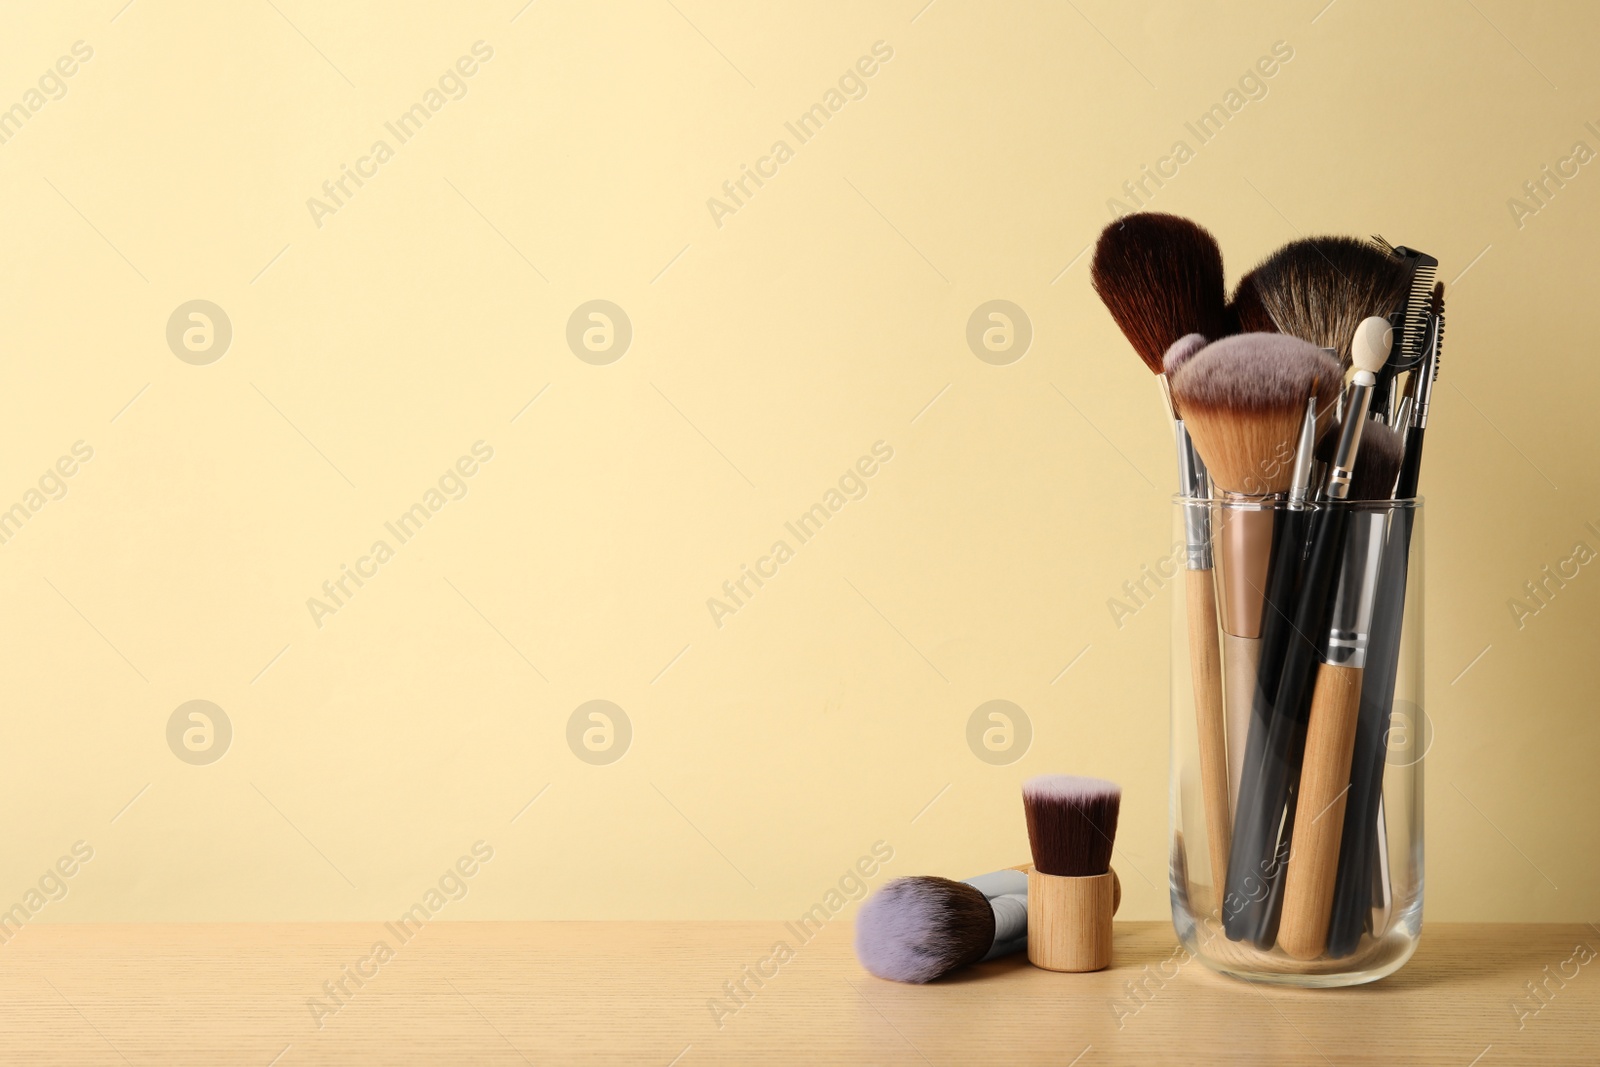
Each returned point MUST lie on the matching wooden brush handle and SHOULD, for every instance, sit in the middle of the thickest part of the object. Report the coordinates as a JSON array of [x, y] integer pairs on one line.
[[1205, 664], [1069, 920], [1319, 811]]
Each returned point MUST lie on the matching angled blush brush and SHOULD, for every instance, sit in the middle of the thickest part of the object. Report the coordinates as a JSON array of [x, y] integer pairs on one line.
[[1161, 278]]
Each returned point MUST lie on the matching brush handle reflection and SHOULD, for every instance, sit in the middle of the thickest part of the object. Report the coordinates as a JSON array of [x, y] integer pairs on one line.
[[1205, 664]]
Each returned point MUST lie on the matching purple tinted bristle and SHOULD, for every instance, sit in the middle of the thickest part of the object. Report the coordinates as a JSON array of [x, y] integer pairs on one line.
[[1181, 351], [917, 929]]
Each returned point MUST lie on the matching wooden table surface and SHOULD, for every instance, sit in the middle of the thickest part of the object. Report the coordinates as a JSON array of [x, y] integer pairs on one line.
[[641, 993]]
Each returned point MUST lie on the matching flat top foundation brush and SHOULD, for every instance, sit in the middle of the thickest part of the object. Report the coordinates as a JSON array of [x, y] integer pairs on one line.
[[921, 928], [1243, 399], [1072, 823], [1320, 288]]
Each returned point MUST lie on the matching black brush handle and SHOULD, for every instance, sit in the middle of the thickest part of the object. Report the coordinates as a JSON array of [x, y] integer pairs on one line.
[[1283, 579], [1352, 891], [1410, 464], [1264, 799]]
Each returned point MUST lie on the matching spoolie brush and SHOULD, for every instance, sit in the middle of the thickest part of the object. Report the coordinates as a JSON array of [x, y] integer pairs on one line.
[[921, 928], [1072, 891], [1320, 288]]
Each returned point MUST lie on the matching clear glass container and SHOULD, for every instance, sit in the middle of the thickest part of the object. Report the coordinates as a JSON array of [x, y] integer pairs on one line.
[[1297, 708]]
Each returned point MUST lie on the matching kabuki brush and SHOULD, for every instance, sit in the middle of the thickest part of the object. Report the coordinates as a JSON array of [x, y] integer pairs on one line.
[[1072, 891]]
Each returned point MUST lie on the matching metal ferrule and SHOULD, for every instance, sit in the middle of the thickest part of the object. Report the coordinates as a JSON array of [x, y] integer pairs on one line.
[[1195, 483], [1304, 457], [1359, 397], [1353, 596]]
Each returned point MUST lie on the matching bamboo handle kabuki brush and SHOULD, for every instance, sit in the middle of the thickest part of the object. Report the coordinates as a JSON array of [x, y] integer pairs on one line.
[[1072, 891]]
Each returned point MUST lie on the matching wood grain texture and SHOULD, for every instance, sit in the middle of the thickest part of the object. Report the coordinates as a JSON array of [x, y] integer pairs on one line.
[[1205, 665], [1069, 920], [1319, 821], [638, 993]]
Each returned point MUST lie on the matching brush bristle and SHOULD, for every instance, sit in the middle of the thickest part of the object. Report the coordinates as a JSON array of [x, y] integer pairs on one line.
[[1243, 399], [1248, 312], [1181, 351], [1436, 306], [1072, 823], [1377, 463], [1160, 276], [916, 929], [1318, 289], [1377, 459]]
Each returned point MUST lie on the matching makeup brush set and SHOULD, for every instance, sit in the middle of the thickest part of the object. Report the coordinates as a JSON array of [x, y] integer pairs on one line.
[[1299, 410], [1057, 908]]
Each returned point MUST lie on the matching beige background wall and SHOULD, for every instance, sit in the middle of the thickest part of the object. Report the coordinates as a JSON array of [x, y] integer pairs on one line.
[[768, 354]]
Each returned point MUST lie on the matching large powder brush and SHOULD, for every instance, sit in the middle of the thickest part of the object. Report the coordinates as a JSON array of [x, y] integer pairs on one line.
[[1319, 289]]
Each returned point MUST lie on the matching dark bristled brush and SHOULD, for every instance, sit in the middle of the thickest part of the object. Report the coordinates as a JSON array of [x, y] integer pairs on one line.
[[1320, 288], [1352, 894], [1161, 278]]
